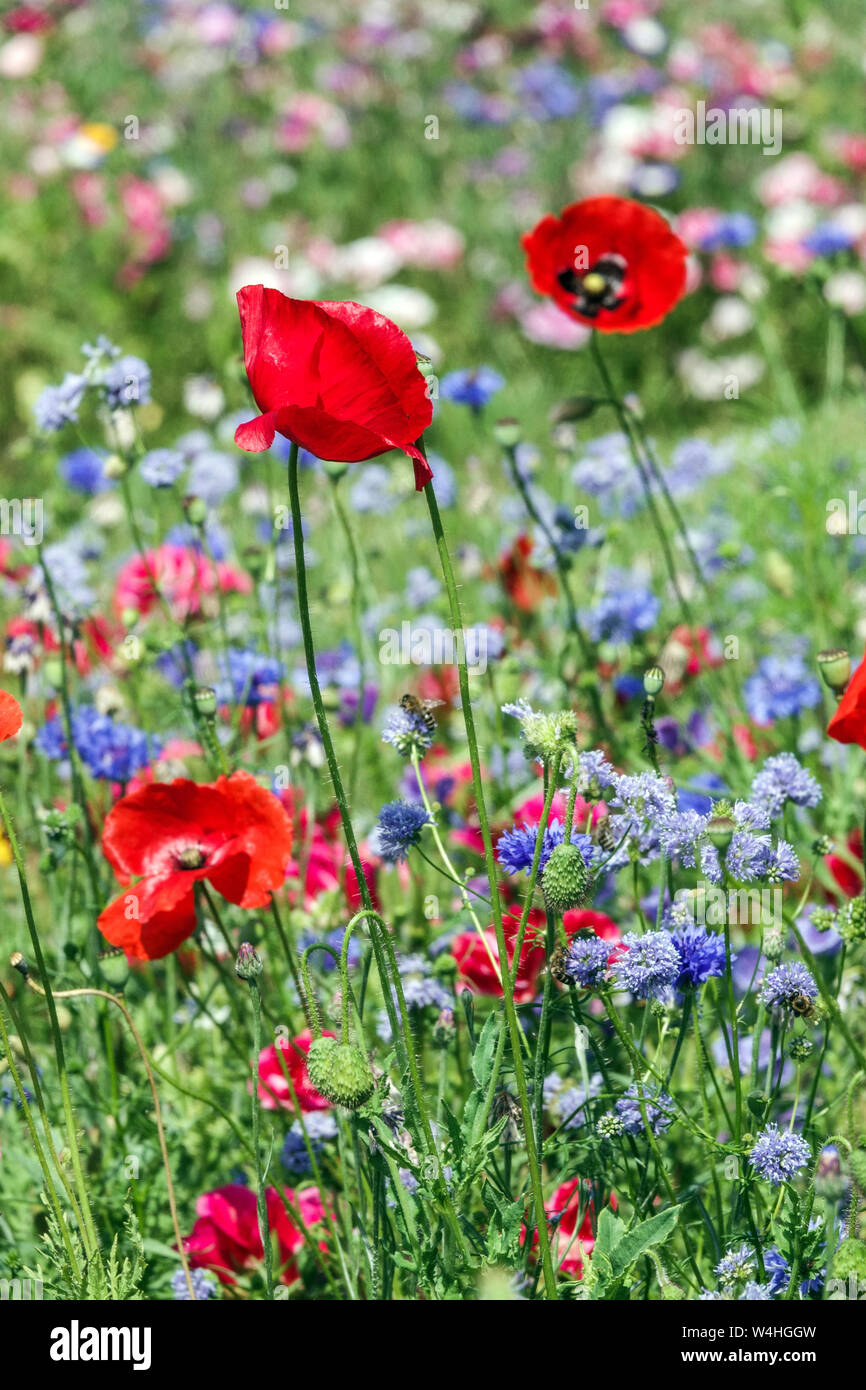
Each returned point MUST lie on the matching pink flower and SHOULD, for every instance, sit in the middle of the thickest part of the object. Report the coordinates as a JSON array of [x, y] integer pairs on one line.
[[187, 580], [226, 1239]]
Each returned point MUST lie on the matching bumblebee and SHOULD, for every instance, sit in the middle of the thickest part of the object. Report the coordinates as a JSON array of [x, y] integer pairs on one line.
[[422, 709], [802, 1005]]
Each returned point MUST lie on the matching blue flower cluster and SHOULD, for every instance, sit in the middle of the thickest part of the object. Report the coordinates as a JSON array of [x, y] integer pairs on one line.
[[778, 1155], [515, 848], [398, 828], [111, 751]]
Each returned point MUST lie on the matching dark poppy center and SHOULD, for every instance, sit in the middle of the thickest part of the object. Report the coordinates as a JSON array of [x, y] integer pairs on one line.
[[600, 287], [192, 858]]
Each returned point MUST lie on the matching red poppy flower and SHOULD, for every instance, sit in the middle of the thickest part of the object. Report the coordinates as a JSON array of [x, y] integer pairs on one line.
[[11, 717], [524, 584], [337, 379], [847, 868], [273, 1088], [476, 968], [169, 835], [848, 724], [226, 1237], [610, 263], [562, 1211]]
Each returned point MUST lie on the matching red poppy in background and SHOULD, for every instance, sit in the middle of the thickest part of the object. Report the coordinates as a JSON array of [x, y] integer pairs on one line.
[[273, 1088], [170, 835], [525, 585], [337, 379], [848, 724], [476, 968], [848, 875], [610, 263], [562, 1211], [226, 1238], [11, 717]]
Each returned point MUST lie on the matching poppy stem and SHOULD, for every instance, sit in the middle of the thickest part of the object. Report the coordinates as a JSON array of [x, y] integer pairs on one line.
[[514, 1029], [261, 1195], [398, 1016]]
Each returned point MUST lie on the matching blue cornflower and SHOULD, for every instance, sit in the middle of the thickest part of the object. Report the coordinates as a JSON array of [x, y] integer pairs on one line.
[[657, 1103], [406, 731], [320, 1126], [702, 955], [785, 983], [161, 467], [782, 779], [778, 1154], [57, 406], [472, 388], [398, 828], [649, 966], [515, 848], [781, 686], [625, 608], [737, 1264], [548, 90], [212, 476], [111, 751], [82, 469], [204, 1284], [586, 961], [126, 382], [248, 676]]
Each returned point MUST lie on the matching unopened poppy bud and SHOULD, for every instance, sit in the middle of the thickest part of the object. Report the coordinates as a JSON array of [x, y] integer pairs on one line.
[[340, 1072], [114, 467], [196, 510], [564, 879], [205, 699], [114, 968], [835, 666], [53, 672], [653, 681], [248, 965], [507, 432]]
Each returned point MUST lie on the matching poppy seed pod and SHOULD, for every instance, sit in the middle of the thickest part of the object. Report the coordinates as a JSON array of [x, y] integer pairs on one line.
[[835, 667], [653, 681]]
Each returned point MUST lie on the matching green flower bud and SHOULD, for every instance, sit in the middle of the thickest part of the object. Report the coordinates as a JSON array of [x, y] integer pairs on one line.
[[115, 466], [114, 968], [340, 1072], [564, 880], [248, 965], [196, 510], [800, 1048]]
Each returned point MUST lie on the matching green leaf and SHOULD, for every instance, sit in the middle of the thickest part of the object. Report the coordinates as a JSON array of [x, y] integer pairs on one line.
[[482, 1057], [640, 1238]]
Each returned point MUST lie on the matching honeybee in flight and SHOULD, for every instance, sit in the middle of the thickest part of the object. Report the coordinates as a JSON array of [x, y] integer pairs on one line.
[[422, 709]]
